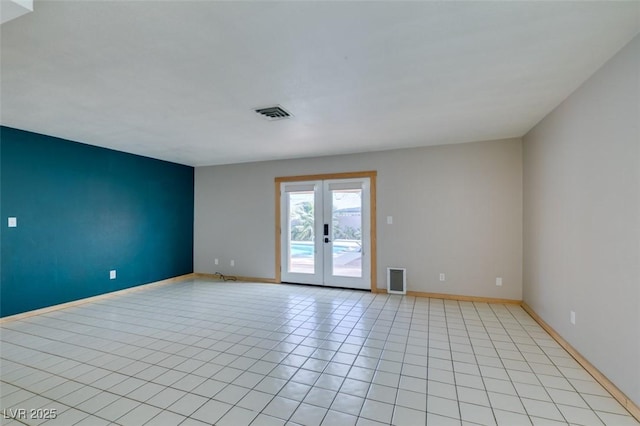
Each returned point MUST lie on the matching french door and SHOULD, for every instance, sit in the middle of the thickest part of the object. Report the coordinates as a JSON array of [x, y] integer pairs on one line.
[[325, 232]]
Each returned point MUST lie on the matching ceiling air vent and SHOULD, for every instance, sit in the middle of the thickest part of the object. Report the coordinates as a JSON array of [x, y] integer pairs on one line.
[[273, 113]]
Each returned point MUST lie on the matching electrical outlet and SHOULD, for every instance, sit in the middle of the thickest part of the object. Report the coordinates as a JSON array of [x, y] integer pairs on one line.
[[233, 262], [499, 281], [216, 261], [573, 318], [12, 222], [441, 277], [112, 274], [389, 220]]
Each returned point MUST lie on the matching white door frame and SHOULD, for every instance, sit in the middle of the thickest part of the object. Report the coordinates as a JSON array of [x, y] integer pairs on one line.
[[362, 282], [315, 277], [369, 270]]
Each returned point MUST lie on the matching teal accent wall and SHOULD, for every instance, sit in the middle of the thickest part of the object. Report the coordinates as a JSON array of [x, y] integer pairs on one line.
[[82, 211]]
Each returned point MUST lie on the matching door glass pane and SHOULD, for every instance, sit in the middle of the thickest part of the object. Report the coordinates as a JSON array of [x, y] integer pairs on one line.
[[347, 232], [301, 232]]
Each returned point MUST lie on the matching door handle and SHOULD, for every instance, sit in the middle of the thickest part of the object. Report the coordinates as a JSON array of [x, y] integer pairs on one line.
[[327, 240], [326, 230]]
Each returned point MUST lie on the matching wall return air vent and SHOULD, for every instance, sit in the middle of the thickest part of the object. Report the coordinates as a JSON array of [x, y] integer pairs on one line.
[[273, 113], [397, 280]]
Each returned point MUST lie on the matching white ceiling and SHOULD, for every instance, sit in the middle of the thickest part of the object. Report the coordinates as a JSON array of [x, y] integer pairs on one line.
[[178, 80], [12, 9]]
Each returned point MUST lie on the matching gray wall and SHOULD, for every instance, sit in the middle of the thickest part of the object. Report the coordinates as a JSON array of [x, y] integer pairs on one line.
[[582, 219], [456, 209]]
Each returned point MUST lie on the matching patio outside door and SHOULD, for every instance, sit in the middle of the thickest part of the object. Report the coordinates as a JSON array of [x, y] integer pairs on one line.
[[325, 237]]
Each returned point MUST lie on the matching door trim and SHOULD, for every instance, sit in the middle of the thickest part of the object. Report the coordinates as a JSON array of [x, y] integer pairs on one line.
[[371, 174]]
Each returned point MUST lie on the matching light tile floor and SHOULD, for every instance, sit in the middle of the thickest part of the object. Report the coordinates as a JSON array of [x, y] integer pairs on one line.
[[200, 352]]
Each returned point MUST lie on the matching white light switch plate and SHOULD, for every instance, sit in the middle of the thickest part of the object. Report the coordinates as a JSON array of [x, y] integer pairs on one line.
[[112, 274], [389, 220], [13, 222]]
